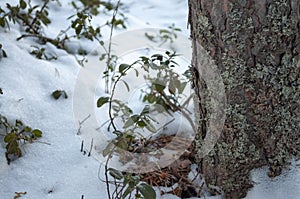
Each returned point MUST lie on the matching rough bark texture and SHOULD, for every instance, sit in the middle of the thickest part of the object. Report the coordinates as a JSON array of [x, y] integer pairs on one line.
[[256, 46]]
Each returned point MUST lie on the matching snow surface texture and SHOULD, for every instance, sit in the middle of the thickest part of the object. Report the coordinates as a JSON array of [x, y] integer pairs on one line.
[[60, 170]]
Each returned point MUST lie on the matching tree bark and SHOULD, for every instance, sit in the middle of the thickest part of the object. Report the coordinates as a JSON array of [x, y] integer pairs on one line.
[[255, 45]]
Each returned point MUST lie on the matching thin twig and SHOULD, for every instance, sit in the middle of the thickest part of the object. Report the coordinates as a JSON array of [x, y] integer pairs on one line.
[[37, 35], [176, 108], [106, 176], [166, 124], [110, 44], [113, 93], [81, 122], [92, 142], [42, 142]]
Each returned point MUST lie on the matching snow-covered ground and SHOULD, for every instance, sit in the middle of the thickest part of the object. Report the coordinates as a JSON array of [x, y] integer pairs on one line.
[[60, 170]]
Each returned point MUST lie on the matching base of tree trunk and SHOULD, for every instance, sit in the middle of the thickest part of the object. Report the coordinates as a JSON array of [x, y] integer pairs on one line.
[[256, 47]]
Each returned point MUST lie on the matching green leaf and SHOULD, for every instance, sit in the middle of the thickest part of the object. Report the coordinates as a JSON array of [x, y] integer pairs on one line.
[[136, 72], [78, 29], [158, 57], [146, 190], [37, 133], [108, 149], [177, 83], [159, 87], [4, 53], [18, 123], [123, 67], [101, 101], [172, 87], [13, 145], [126, 84], [2, 22], [150, 37], [45, 20], [9, 137], [149, 126], [151, 98], [27, 129], [18, 152], [74, 5], [133, 119], [23, 4], [145, 110], [115, 173], [129, 189], [102, 57], [141, 124], [122, 143], [182, 87], [13, 148], [56, 94]]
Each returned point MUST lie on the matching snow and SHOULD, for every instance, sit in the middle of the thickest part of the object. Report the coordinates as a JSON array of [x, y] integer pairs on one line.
[[59, 169], [284, 186]]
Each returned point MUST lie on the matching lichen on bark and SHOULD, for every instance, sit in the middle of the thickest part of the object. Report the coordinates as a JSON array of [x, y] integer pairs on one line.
[[256, 46]]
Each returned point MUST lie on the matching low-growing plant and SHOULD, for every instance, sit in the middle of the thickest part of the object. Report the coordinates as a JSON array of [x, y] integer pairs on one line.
[[33, 19], [15, 135], [164, 88], [129, 184]]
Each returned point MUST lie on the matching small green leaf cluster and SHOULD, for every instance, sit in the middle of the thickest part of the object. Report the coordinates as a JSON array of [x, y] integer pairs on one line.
[[41, 53], [82, 24], [131, 183], [166, 88], [169, 34], [31, 17], [94, 7], [141, 120], [164, 35], [15, 135], [83, 27]]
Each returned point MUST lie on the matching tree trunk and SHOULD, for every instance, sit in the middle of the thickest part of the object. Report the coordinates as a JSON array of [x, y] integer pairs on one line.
[[255, 45]]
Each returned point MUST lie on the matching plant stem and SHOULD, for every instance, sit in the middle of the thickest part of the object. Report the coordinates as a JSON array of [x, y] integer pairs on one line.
[[108, 62], [106, 176], [113, 93]]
